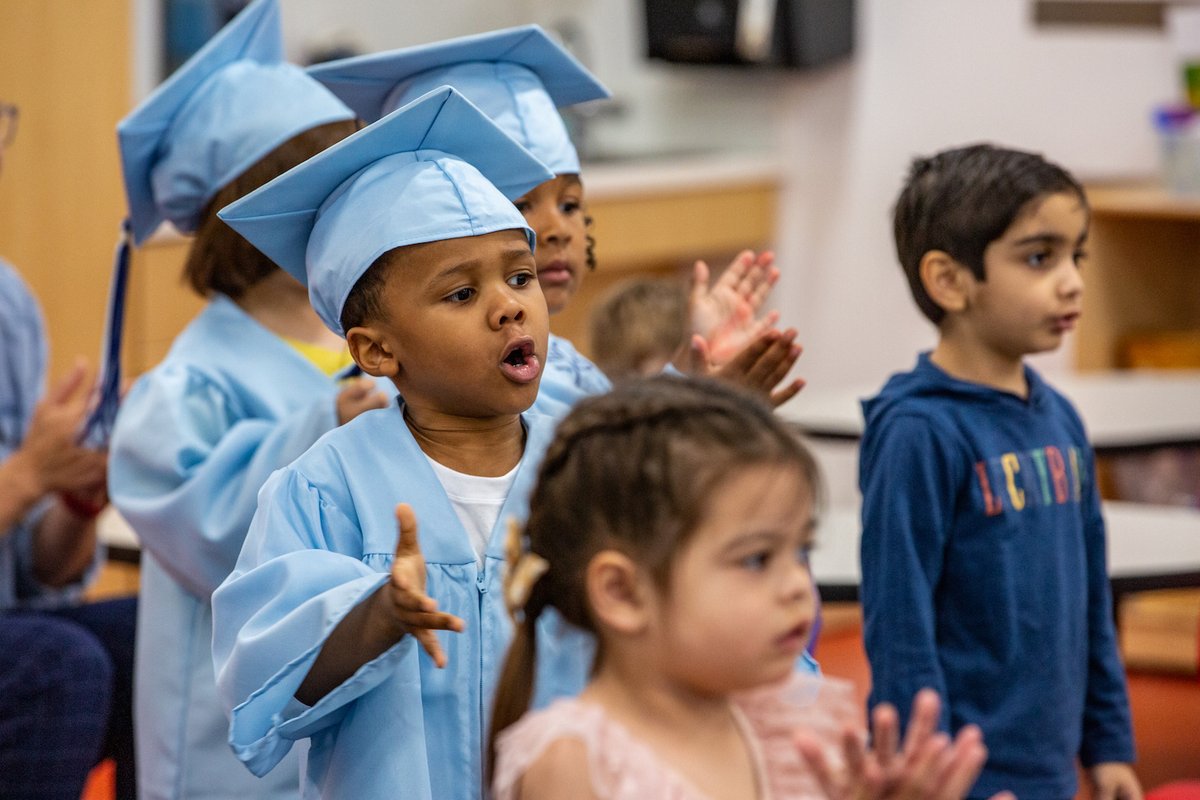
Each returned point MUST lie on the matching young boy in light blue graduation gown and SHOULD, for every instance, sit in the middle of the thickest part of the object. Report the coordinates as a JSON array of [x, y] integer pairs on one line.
[[520, 77], [196, 437], [325, 630]]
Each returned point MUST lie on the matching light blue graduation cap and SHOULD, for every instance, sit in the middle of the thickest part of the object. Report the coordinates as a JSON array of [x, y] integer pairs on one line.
[[435, 169], [229, 105], [233, 102], [517, 76]]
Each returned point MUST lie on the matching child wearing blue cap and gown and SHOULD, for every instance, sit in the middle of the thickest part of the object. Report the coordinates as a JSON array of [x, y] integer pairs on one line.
[[381, 648], [245, 388], [519, 77]]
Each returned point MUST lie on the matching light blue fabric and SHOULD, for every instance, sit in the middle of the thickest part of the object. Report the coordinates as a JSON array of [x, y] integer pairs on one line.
[[323, 540], [22, 379], [233, 102], [195, 439], [436, 169], [568, 378], [517, 76]]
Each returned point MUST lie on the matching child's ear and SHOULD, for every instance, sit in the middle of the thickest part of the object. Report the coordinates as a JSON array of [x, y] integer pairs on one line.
[[945, 280], [618, 592], [373, 352]]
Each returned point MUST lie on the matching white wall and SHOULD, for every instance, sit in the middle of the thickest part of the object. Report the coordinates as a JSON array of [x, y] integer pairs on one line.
[[927, 74], [930, 74]]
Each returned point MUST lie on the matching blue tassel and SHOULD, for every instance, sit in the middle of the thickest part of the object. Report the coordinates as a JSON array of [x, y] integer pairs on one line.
[[352, 371], [98, 428]]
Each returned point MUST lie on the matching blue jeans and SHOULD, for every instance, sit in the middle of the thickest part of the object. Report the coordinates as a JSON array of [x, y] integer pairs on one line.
[[66, 687]]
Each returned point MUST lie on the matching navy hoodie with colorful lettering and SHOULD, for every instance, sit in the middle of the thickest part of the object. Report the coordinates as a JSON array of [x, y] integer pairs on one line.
[[983, 575]]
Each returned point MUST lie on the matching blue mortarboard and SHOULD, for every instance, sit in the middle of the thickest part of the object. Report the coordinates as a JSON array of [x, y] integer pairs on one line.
[[435, 169], [233, 102], [517, 76]]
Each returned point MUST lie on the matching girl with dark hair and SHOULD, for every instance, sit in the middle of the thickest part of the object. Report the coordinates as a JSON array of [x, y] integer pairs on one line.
[[672, 520]]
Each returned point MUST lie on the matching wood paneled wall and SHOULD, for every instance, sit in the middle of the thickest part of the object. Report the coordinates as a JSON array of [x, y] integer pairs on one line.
[[66, 63]]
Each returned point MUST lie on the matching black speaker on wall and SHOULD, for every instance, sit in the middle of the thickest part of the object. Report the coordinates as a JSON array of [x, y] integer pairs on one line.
[[773, 33]]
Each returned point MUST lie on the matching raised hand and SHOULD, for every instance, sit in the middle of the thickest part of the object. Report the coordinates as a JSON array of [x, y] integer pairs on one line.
[[725, 313], [410, 606], [359, 395], [929, 766], [50, 455]]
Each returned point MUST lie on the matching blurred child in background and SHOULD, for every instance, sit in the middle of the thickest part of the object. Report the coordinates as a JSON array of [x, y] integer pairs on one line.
[[246, 387], [637, 327]]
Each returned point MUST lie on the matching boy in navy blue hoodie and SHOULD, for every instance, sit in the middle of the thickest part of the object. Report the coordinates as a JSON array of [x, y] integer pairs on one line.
[[983, 547]]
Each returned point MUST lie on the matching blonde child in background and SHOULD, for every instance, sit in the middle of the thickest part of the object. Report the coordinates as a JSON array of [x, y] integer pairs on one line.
[[637, 327], [672, 519], [247, 386], [520, 77]]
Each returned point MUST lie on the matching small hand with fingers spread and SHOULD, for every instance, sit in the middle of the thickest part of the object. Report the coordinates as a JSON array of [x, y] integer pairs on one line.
[[414, 610], [725, 313], [929, 766]]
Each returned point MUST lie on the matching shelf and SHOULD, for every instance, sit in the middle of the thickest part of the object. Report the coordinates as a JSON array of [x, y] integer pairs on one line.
[[1147, 200], [1142, 270]]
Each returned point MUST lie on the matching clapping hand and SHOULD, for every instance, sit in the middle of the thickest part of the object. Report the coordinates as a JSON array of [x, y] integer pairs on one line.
[[929, 766], [725, 313], [51, 453]]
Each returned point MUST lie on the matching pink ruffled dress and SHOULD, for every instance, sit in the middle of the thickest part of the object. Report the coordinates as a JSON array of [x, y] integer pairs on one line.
[[620, 767]]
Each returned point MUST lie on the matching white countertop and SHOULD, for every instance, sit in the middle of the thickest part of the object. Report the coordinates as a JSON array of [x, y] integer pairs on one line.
[[1121, 409], [1145, 542]]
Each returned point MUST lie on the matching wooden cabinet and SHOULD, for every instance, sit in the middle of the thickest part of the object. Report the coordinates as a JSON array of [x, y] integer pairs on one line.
[[67, 66], [159, 303], [1142, 275]]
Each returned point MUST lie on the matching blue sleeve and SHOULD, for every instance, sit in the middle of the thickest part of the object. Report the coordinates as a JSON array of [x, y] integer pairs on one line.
[[1107, 723], [22, 379], [22, 358], [298, 575], [186, 464], [19, 586], [907, 484]]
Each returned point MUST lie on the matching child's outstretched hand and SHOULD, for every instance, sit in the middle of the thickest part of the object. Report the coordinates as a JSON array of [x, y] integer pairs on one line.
[[724, 314], [412, 608], [397, 608], [927, 767], [1114, 781]]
